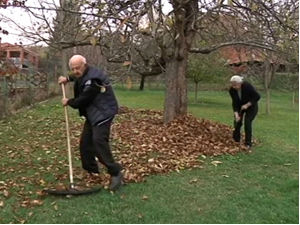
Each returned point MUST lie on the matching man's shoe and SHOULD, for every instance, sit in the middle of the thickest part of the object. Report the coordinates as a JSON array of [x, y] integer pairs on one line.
[[116, 182]]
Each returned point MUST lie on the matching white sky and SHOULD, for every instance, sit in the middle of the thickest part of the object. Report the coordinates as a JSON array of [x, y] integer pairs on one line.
[[21, 17]]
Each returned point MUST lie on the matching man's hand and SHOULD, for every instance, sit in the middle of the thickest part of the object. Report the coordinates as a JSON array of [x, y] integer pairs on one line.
[[62, 80], [237, 116], [246, 106], [64, 101]]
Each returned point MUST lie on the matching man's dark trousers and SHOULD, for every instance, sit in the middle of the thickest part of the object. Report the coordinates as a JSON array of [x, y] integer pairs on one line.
[[95, 142], [249, 117]]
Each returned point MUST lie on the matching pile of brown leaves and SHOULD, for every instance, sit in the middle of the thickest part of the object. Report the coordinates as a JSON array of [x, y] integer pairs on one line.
[[144, 145]]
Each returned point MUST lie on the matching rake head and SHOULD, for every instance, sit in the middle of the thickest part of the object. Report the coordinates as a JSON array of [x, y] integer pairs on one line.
[[75, 190]]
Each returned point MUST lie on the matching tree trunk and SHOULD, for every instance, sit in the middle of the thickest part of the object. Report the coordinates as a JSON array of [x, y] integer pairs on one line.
[[176, 62], [64, 67], [142, 83], [196, 91], [176, 90], [267, 91], [64, 63], [268, 103], [293, 98], [61, 18], [55, 72], [268, 74]]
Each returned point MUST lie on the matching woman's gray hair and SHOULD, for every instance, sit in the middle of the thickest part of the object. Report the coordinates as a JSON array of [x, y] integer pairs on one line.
[[236, 79]]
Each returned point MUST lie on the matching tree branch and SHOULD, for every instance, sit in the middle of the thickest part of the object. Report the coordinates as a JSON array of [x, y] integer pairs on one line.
[[216, 47]]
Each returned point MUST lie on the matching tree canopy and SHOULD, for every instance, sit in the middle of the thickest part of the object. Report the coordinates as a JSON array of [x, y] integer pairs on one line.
[[151, 41]]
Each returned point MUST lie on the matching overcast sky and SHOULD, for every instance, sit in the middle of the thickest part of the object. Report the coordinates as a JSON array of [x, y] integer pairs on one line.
[[21, 17]]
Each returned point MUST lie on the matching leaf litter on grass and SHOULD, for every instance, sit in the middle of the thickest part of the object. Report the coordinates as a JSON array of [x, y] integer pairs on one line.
[[140, 142], [145, 146]]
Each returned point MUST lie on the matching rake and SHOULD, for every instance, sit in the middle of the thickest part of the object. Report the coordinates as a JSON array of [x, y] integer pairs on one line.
[[72, 189]]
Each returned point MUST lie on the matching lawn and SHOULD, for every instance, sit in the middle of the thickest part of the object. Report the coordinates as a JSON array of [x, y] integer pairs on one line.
[[257, 187]]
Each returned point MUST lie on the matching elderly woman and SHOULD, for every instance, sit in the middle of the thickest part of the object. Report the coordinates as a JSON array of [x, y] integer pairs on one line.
[[244, 103]]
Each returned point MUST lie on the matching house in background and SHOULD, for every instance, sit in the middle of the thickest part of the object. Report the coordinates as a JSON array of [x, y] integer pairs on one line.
[[21, 57], [239, 58]]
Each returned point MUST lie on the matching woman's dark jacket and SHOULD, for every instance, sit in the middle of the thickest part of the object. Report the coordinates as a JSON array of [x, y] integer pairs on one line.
[[248, 94], [94, 96]]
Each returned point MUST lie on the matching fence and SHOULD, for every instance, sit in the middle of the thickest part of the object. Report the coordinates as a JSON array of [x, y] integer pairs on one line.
[[19, 90]]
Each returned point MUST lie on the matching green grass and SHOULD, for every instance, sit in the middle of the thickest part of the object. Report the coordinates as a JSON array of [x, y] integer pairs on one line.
[[260, 187]]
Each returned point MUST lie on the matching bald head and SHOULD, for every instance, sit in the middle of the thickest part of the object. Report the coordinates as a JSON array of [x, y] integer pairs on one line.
[[77, 64]]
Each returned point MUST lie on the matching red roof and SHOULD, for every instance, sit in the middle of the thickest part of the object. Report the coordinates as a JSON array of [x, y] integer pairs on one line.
[[240, 54], [6, 46]]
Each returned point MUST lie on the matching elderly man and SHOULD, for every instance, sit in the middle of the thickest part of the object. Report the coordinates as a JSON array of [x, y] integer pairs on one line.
[[244, 103], [95, 100]]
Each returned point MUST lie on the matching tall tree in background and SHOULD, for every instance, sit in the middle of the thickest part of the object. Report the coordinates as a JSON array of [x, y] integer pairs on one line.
[[67, 27], [217, 23]]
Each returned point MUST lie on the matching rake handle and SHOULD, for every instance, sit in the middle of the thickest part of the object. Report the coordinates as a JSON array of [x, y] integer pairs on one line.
[[68, 138]]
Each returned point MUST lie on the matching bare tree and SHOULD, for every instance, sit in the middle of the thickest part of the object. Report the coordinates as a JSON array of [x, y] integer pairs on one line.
[[172, 35], [264, 72]]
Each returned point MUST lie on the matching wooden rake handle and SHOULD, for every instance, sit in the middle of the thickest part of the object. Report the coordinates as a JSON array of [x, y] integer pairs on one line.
[[68, 138]]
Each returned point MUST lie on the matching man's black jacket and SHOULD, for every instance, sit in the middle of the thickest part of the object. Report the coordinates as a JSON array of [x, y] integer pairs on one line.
[[248, 94], [94, 96]]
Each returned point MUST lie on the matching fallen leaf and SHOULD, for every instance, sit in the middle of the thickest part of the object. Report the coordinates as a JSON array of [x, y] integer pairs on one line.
[[215, 163], [150, 160], [145, 197], [22, 221], [6, 193], [36, 202], [122, 196], [40, 193], [193, 181], [42, 182]]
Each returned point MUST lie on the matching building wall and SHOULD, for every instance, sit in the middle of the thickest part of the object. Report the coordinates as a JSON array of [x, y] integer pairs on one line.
[[21, 57]]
